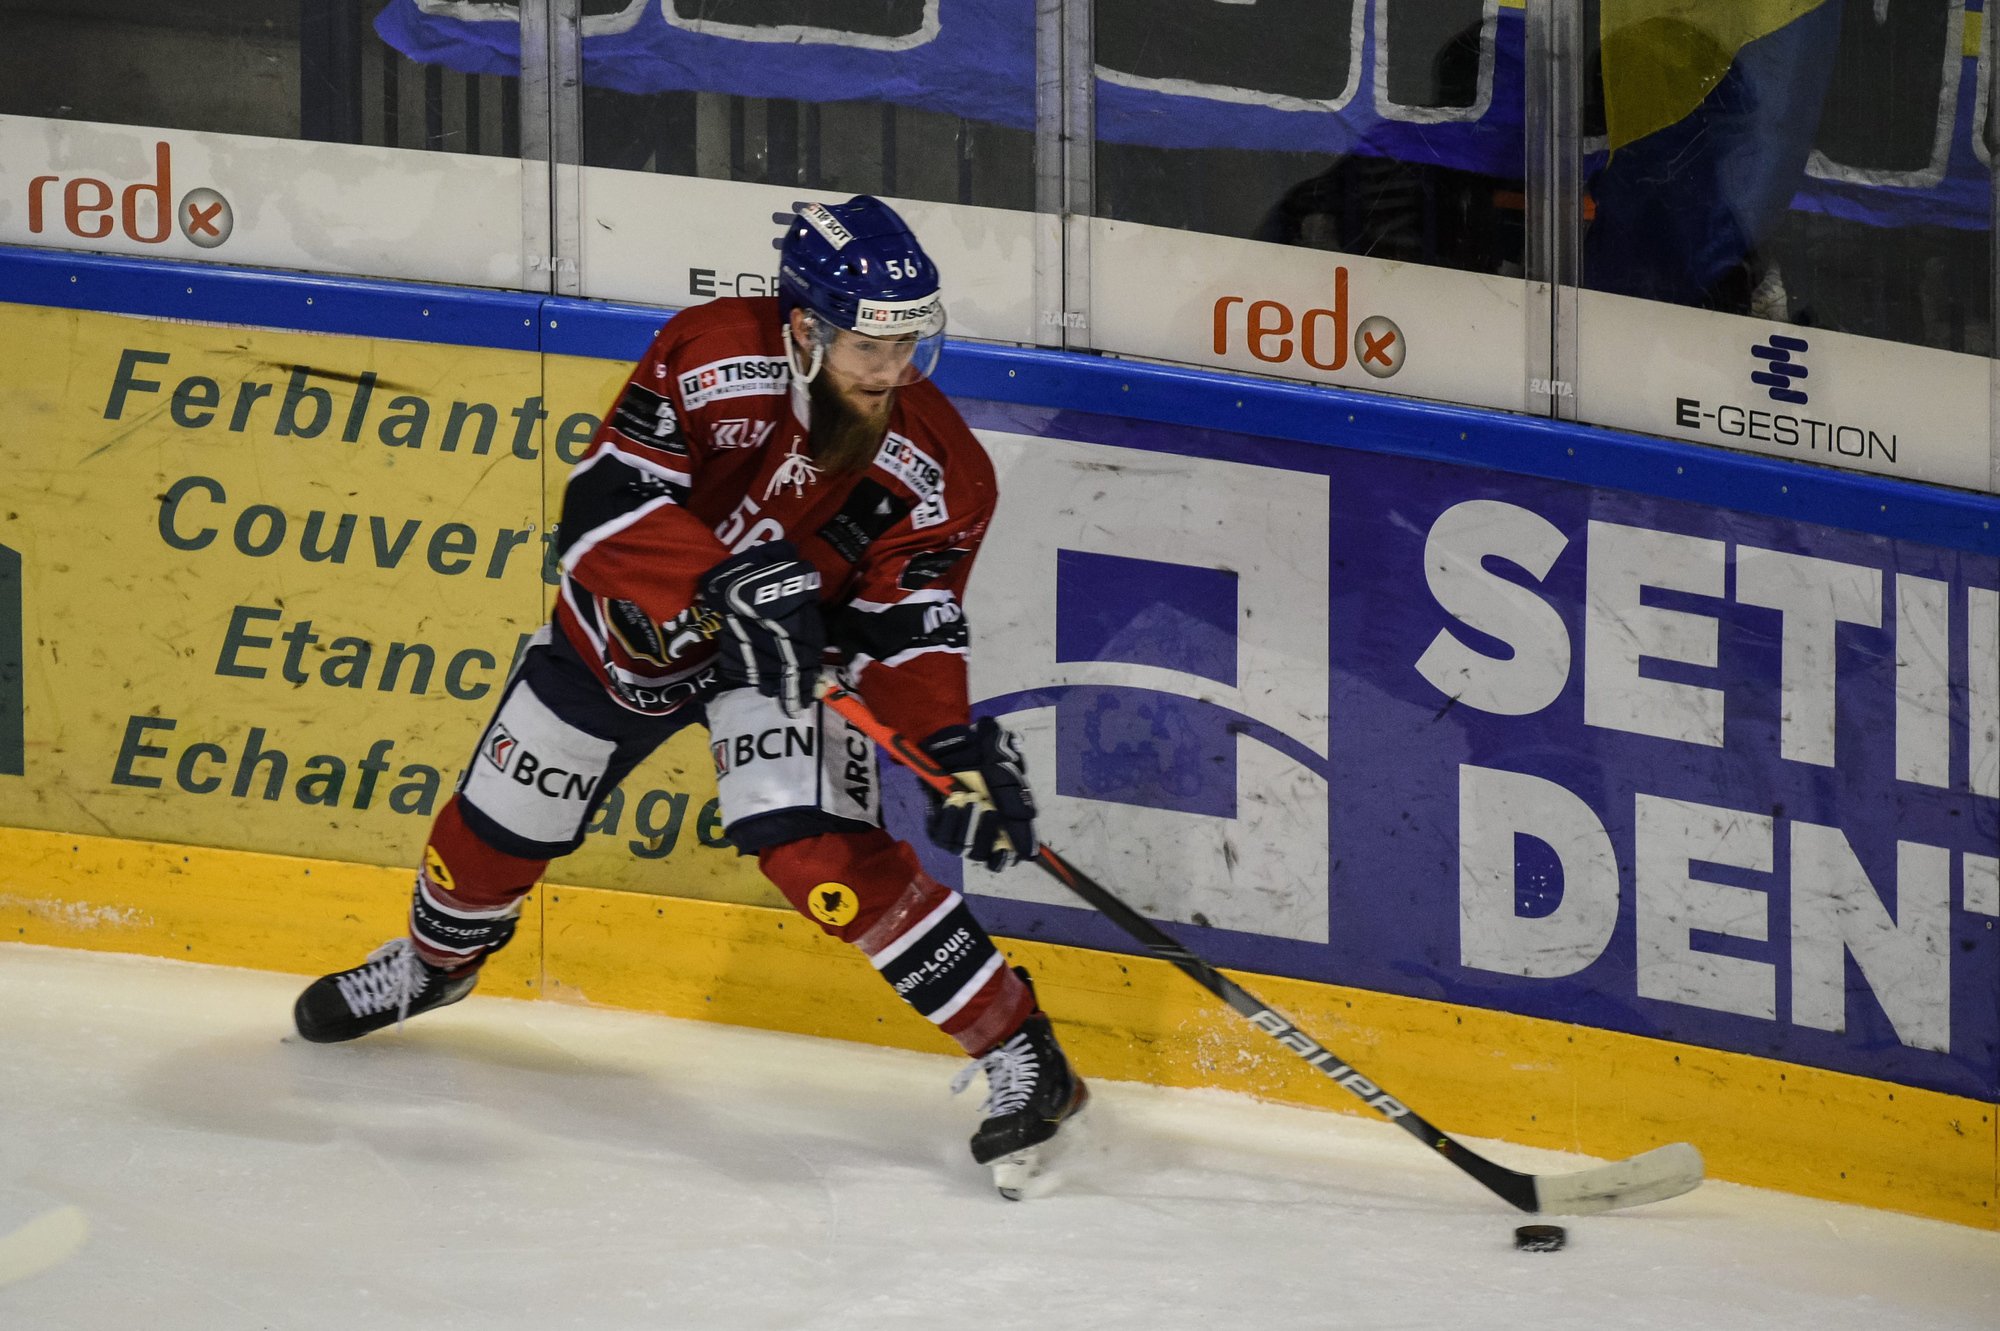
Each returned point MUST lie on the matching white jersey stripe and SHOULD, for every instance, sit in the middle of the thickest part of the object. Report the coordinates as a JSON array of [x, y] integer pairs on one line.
[[660, 469], [965, 994], [633, 460], [861, 660], [941, 595], [909, 936]]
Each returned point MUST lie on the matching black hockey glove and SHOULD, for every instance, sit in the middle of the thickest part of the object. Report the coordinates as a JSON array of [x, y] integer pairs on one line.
[[772, 636], [996, 830]]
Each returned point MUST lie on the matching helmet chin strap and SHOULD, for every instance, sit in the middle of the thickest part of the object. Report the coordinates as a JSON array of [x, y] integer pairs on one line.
[[812, 369], [797, 470], [801, 394]]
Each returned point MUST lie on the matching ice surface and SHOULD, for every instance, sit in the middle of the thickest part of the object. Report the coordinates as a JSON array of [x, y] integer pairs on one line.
[[170, 1160]]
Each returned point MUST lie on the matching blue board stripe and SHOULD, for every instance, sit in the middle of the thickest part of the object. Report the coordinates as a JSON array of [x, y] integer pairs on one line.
[[1061, 381], [306, 302]]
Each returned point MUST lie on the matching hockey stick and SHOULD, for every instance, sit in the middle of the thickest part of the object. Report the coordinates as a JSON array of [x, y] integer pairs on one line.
[[1651, 1176]]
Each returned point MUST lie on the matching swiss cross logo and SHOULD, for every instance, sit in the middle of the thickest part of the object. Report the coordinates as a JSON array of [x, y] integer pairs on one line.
[[708, 378], [500, 747]]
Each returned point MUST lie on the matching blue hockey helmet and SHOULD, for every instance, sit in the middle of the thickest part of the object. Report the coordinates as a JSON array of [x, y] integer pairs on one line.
[[857, 267]]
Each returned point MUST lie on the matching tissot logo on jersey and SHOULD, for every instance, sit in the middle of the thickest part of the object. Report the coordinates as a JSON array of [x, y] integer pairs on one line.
[[911, 465], [520, 765], [738, 376]]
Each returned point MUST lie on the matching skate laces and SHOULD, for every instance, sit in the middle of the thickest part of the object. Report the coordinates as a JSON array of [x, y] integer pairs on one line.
[[392, 976], [1012, 1072]]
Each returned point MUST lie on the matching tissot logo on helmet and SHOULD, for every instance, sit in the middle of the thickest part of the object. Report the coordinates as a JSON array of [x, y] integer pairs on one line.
[[882, 317], [821, 219]]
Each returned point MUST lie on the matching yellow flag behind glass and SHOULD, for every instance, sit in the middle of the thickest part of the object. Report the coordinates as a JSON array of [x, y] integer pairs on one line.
[[1662, 57]]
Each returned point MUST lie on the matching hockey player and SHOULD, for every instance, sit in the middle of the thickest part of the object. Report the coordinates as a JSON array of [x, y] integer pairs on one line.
[[777, 486]]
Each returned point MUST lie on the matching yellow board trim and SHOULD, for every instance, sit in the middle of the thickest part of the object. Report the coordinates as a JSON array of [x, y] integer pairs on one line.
[[1478, 1073]]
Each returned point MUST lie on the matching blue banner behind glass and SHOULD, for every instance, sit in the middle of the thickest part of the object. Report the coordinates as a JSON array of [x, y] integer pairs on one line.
[[1178, 74], [976, 59]]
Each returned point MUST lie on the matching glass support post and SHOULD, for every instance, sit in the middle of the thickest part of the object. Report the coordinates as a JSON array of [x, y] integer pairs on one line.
[[1554, 126]]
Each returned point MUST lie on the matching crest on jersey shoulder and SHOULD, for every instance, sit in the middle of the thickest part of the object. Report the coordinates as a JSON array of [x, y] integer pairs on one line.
[[739, 432]]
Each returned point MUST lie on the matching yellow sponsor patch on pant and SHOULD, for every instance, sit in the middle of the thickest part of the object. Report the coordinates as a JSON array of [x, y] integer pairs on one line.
[[833, 904], [434, 868]]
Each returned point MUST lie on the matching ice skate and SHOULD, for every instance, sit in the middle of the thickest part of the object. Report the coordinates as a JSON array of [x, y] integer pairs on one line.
[[1032, 1095], [392, 985]]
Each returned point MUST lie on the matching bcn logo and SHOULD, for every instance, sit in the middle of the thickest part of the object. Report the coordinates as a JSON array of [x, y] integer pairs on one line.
[[1267, 328], [90, 208]]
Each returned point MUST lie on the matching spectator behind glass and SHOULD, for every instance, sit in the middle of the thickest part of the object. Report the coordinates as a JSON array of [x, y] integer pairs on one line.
[[1688, 213]]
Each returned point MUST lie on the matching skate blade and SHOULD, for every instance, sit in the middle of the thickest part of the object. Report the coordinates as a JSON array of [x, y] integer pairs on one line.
[[1037, 1171], [1014, 1174]]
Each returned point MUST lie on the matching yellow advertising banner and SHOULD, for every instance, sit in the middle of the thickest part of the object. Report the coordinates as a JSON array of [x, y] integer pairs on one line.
[[267, 588]]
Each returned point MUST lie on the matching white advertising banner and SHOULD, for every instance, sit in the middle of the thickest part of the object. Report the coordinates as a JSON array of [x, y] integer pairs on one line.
[[1298, 313], [1807, 394], [278, 203], [1083, 528], [680, 240]]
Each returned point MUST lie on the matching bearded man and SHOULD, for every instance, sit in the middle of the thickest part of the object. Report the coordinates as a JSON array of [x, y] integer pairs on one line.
[[779, 489]]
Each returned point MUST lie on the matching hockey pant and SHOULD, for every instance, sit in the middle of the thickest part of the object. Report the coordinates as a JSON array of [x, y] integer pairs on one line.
[[802, 794]]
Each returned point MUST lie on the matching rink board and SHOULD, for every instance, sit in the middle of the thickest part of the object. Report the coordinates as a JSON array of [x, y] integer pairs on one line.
[[1649, 783], [1478, 1073]]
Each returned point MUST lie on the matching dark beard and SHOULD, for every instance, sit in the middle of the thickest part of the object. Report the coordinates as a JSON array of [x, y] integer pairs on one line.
[[843, 440]]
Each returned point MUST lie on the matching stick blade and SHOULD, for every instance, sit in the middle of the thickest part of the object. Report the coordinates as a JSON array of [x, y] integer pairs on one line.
[[1650, 1176]]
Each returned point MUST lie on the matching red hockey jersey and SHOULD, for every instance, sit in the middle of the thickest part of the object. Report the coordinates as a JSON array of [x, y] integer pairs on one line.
[[695, 462]]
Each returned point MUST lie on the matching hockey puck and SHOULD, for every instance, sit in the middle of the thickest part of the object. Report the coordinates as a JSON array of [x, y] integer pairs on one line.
[[1540, 1238]]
